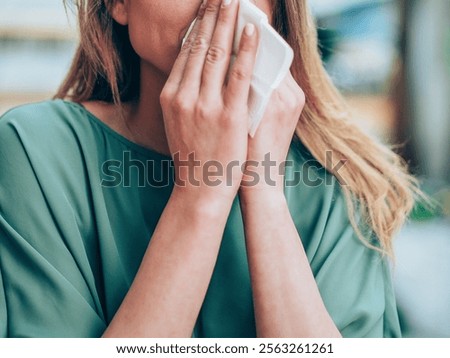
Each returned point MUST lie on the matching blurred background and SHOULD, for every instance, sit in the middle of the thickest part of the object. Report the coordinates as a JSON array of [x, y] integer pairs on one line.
[[391, 59]]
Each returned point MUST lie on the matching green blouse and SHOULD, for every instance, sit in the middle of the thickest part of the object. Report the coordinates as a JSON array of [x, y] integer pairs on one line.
[[78, 206]]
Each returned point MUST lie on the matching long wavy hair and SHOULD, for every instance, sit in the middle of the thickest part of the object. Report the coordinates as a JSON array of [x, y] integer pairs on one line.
[[374, 179]]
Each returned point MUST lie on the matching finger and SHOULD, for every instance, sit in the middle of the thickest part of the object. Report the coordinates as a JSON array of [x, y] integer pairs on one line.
[[218, 56], [180, 63], [194, 66], [236, 93]]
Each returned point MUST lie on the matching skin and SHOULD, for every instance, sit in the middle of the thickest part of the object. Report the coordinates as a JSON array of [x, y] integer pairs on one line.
[[187, 106]]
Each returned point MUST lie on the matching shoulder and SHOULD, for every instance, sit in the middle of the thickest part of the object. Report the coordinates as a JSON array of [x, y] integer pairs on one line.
[[42, 143], [42, 118], [46, 160], [52, 129]]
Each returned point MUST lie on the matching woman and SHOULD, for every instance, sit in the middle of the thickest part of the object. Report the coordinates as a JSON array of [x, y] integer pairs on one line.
[[90, 248]]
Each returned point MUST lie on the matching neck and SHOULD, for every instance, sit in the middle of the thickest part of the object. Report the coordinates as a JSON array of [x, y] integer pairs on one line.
[[146, 120]]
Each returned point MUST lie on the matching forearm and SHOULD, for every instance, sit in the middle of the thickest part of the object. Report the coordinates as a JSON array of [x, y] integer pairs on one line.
[[286, 298], [167, 293]]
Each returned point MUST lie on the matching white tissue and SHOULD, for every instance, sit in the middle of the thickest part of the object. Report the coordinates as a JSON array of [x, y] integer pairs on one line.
[[273, 60]]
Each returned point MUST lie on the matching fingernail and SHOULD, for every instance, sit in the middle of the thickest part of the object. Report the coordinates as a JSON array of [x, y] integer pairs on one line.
[[249, 29], [226, 2]]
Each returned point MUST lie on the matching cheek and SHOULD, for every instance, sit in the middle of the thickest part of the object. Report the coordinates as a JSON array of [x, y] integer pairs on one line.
[[153, 45], [156, 33]]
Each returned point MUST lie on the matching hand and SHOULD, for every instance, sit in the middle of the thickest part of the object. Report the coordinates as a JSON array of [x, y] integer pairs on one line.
[[205, 117], [273, 138]]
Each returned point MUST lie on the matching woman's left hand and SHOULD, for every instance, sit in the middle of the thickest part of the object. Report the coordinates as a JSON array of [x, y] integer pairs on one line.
[[269, 148], [279, 267]]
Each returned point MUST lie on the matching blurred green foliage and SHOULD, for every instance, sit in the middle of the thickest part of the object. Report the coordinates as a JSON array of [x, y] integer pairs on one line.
[[437, 205]]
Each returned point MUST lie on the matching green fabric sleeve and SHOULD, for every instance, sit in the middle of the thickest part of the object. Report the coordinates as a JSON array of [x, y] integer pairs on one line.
[[354, 280], [3, 309], [47, 283]]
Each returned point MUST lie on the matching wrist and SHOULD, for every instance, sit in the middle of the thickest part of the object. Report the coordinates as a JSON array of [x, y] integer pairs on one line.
[[263, 195], [205, 202], [262, 183], [266, 174]]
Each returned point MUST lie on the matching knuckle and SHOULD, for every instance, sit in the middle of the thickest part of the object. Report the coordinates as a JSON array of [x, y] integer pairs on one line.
[[283, 102], [239, 73], [225, 16], [186, 48], [165, 97], [291, 100], [232, 119], [202, 113], [298, 98], [182, 104], [211, 8], [292, 104], [207, 109], [301, 98], [216, 54], [199, 45]]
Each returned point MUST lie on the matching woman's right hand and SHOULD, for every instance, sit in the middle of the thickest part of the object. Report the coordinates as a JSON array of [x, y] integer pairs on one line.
[[205, 115]]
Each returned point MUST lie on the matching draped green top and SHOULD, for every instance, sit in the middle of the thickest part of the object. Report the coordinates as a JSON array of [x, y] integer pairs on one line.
[[78, 206]]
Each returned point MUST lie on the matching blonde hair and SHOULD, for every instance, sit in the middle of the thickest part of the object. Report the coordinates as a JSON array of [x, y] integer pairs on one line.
[[374, 179]]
